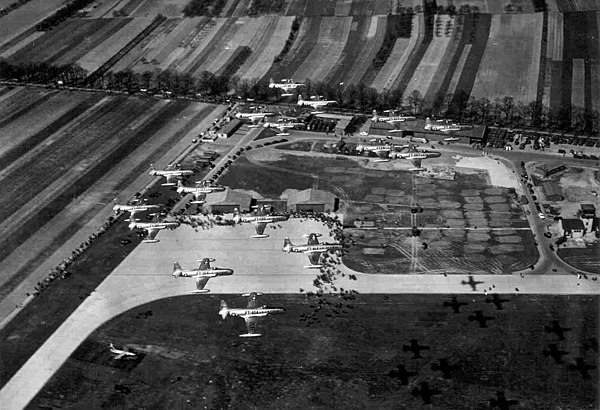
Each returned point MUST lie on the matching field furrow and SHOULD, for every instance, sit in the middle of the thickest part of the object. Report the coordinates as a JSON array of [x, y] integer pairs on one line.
[[9, 51], [430, 62], [247, 29], [270, 46], [355, 46], [151, 8], [342, 8], [332, 36], [61, 156], [424, 34], [10, 106], [23, 18], [578, 5], [459, 69], [112, 45], [578, 86], [364, 61], [518, 36], [206, 45], [20, 135], [390, 71]]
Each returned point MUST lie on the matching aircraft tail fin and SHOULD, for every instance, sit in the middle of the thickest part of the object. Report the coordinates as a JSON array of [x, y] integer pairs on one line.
[[287, 245], [237, 218], [176, 269], [375, 116]]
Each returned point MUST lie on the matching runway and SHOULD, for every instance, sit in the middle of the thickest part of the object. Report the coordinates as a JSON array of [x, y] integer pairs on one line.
[[259, 265]]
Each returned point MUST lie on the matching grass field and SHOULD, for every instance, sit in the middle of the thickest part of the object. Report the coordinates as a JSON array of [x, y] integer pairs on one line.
[[347, 357], [520, 37], [23, 18], [467, 225]]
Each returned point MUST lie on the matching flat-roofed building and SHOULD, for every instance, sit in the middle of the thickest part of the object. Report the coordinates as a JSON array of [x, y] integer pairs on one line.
[[552, 191], [572, 228]]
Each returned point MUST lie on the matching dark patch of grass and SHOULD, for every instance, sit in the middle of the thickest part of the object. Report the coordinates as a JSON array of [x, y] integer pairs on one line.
[[342, 360], [587, 259]]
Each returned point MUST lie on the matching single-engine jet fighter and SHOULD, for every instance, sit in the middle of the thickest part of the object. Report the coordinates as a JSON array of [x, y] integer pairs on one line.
[[314, 102], [199, 192], [202, 274], [260, 219], [250, 313], [313, 248], [170, 174], [119, 354], [134, 209], [286, 84], [391, 118], [152, 228]]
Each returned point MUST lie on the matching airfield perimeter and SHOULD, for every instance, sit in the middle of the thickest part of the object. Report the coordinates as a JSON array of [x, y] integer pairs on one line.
[[259, 265]]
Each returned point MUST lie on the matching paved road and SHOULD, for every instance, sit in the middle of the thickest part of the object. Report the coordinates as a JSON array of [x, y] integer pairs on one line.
[[259, 265]]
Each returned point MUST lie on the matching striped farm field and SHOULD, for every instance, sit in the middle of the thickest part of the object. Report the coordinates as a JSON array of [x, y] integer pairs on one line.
[[306, 40], [554, 54], [390, 71], [365, 38], [518, 36], [430, 62], [333, 34], [577, 5], [28, 15], [69, 41], [578, 84], [56, 146], [151, 8], [111, 45], [269, 45]]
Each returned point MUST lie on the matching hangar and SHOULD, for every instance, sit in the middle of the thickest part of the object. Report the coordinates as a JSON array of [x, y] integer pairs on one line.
[[552, 191], [228, 200], [312, 200]]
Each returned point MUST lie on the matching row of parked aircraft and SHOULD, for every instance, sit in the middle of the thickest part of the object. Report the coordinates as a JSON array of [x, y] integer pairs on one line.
[[386, 151]]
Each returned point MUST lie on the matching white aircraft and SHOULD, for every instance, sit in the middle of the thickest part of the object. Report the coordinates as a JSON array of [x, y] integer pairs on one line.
[[250, 314], [170, 174], [391, 118], [199, 192], [202, 274], [313, 248], [451, 139], [315, 103], [120, 353], [286, 84], [441, 125], [416, 156], [281, 126], [133, 209], [152, 228], [253, 115], [383, 149], [260, 218]]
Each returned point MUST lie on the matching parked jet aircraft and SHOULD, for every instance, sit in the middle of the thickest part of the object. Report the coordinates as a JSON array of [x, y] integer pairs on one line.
[[120, 353], [391, 118], [260, 218], [170, 174], [286, 84], [313, 248], [250, 314], [199, 192], [152, 228], [441, 125], [202, 274], [315, 103], [134, 209]]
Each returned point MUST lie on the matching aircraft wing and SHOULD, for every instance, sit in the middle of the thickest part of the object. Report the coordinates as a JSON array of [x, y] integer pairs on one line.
[[252, 301], [260, 227], [383, 153], [251, 324], [201, 282], [119, 356], [313, 239], [152, 232], [314, 257], [199, 197]]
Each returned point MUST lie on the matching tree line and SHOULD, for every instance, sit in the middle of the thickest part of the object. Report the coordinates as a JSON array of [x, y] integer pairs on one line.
[[460, 106]]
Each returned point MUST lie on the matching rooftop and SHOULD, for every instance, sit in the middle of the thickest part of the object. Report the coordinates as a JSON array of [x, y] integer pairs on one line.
[[572, 225]]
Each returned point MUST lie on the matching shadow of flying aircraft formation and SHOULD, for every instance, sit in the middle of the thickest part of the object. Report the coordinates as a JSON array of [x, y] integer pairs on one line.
[[415, 348], [455, 304], [480, 318]]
